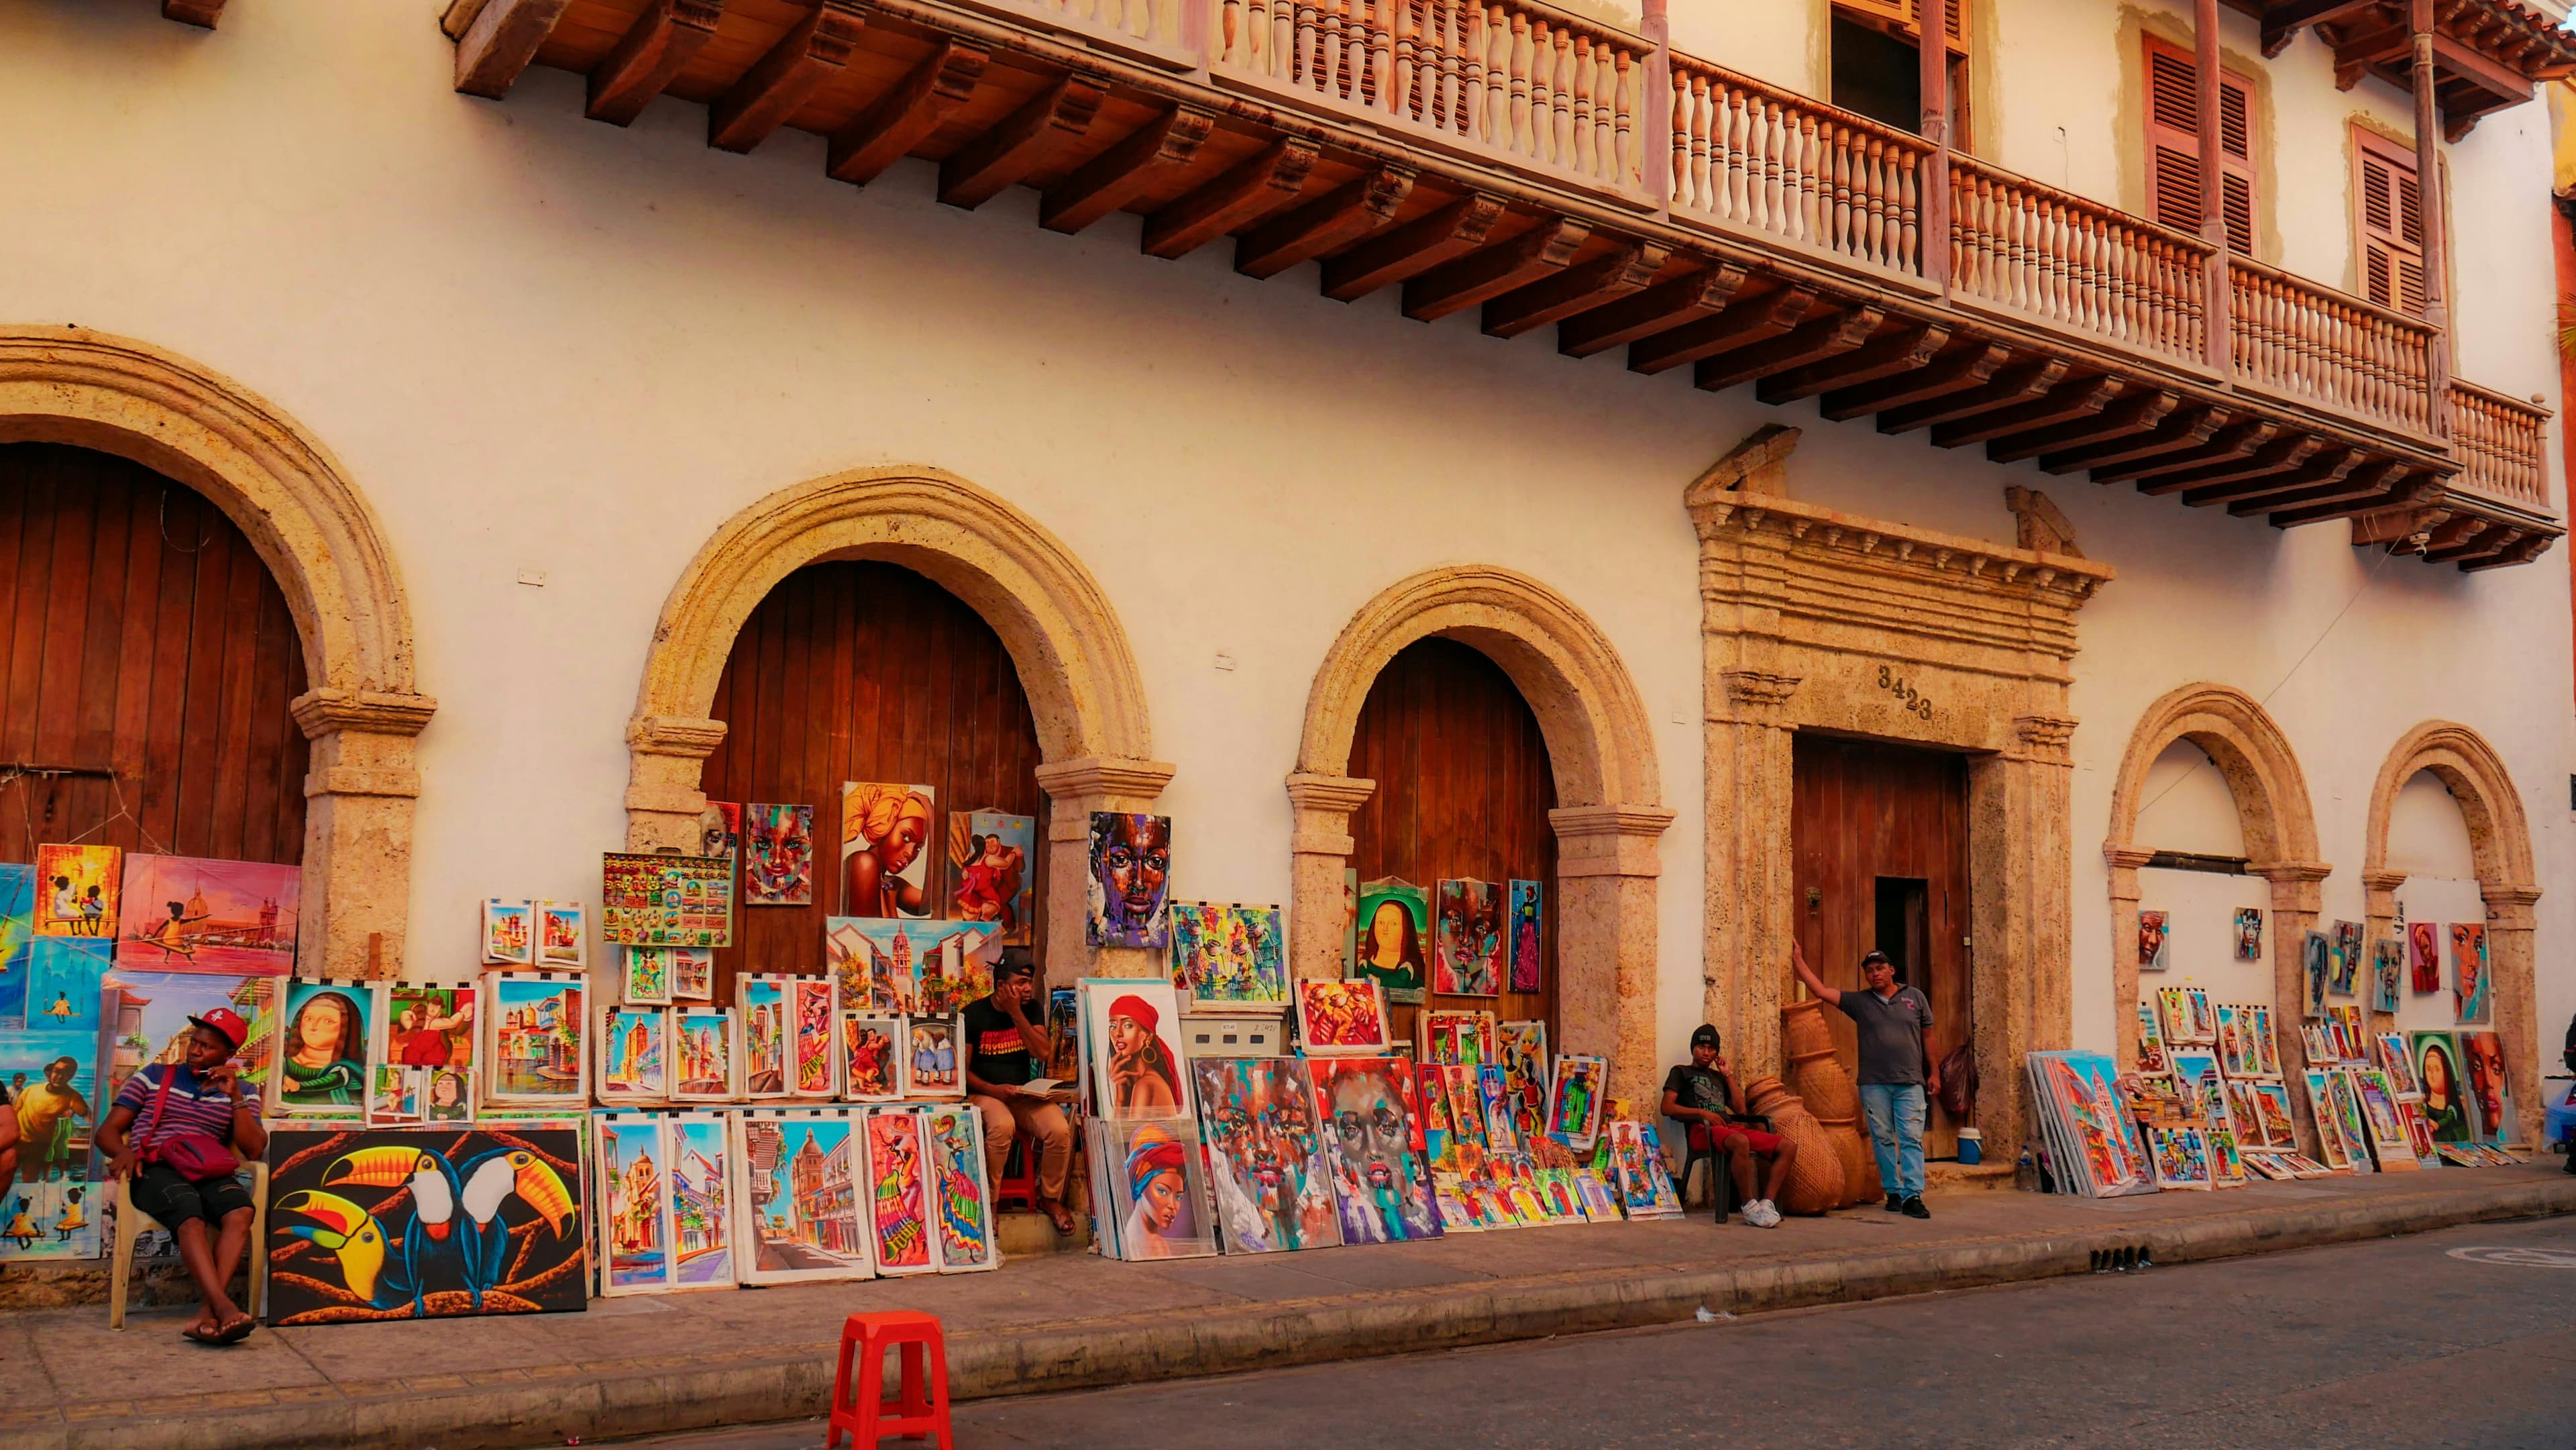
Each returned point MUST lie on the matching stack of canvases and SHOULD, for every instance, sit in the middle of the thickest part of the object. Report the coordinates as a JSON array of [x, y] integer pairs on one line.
[[104, 956]]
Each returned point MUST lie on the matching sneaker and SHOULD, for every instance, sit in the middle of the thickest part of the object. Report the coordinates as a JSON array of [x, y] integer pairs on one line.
[[1896, 1203], [1914, 1209], [1770, 1215]]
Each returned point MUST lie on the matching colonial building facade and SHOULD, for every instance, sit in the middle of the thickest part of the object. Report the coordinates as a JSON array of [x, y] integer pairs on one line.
[[1765, 481]]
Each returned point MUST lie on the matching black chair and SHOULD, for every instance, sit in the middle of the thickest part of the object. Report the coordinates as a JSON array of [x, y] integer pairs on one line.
[[1697, 1147]]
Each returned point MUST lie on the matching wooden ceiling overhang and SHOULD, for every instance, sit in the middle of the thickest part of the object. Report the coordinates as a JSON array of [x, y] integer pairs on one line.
[[2487, 54]]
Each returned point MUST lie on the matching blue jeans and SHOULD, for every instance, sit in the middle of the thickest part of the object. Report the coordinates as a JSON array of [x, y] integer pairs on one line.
[[1896, 1134]]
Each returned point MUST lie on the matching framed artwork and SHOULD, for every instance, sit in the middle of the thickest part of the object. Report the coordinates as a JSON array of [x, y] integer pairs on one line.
[[1366, 1108], [2316, 961], [895, 1201], [665, 901], [151, 1024], [647, 979], [2265, 1046], [1341, 1019], [813, 1016], [720, 830], [1467, 949], [1132, 1048], [635, 1054], [322, 1053], [2472, 993], [1350, 918], [777, 855], [992, 859], [2272, 1114], [1272, 1189], [1064, 1035], [2388, 1052], [1469, 1039], [2387, 973], [1494, 1110], [693, 973], [2226, 1167], [2343, 1095], [869, 1070], [533, 1052], [2187, 1016], [1129, 884], [1645, 1187], [760, 1004], [563, 934], [2238, 1052], [516, 1239], [2249, 934], [2490, 1096], [394, 1098], [2424, 955], [934, 1058], [17, 936], [794, 1174], [1394, 933], [961, 1202], [1574, 1099], [428, 1024], [2346, 957], [187, 914], [2385, 1124], [1150, 1183], [1523, 1048], [706, 1055], [2151, 1040], [2154, 929], [1524, 901], [2197, 1077], [2351, 1039], [633, 1154], [2419, 1135], [895, 965], [1228, 956], [1461, 1088], [509, 933], [2180, 1156], [449, 1096], [77, 891], [886, 850], [699, 1177]]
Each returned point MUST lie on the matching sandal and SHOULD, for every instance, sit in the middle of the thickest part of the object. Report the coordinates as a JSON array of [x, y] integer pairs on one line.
[[236, 1331], [202, 1336]]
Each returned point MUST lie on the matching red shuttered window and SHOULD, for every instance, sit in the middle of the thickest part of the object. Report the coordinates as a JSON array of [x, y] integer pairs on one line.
[[2389, 223], [2173, 145]]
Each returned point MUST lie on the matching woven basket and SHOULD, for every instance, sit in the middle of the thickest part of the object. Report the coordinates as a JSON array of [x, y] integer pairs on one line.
[[1821, 1080], [1815, 1182]]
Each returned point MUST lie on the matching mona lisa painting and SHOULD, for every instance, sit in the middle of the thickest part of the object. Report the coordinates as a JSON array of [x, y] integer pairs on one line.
[[1394, 923], [322, 1057]]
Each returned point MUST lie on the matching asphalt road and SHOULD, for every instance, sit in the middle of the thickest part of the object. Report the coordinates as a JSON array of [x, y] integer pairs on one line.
[[2422, 1342]]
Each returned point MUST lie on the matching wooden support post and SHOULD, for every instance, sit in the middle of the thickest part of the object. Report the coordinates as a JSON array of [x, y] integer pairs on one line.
[[2206, 67], [2431, 212], [1932, 47]]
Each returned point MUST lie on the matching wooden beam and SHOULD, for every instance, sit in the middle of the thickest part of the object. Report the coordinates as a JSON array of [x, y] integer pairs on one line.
[[2284, 20], [1328, 223], [1620, 272], [1413, 248], [497, 47], [1811, 342], [2453, 531], [906, 114], [2522, 551], [2183, 433], [2064, 403], [2471, 544], [2011, 386], [1541, 251], [2231, 444], [2367, 489], [2139, 412], [1058, 115], [813, 50], [1122, 173], [2269, 459], [1755, 320], [2325, 464], [2306, 484], [1966, 366], [637, 69], [1657, 309], [1905, 350], [206, 13]]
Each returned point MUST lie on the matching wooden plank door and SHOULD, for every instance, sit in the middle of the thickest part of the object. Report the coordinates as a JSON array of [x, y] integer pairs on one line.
[[1880, 833]]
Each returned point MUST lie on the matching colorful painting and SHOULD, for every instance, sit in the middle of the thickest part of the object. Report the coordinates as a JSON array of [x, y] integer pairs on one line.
[[635, 1054], [2338, 1149], [701, 1187], [962, 1202], [1228, 955], [886, 850], [143, 1019], [705, 1055], [720, 830], [2272, 1114], [1523, 1048], [394, 1099], [1394, 934], [2345, 1095], [894, 965], [1064, 1035], [1273, 1190], [2180, 1156], [648, 975], [51, 1209], [429, 1024], [760, 1003], [563, 934], [2419, 1135], [634, 1204], [1129, 883], [2387, 973], [1365, 1106], [534, 1055], [1341, 1019], [429, 1222], [2381, 1118], [76, 891], [693, 973], [795, 1188], [1527, 911], [2424, 955], [2472, 984], [1645, 1187], [449, 1096], [2316, 959], [1466, 1039], [665, 901], [1132, 1044], [322, 1054], [2187, 1016], [777, 855], [992, 859], [17, 934], [1150, 1188], [813, 1015], [2151, 1040], [2343, 977], [2489, 1094], [1467, 948], [2237, 1051], [1574, 1099], [2249, 934], [934, 1057], [185, 914], [509, 932], [869, 1072], [2154, 927], [2388, 1051], [1494, 1110], [898, 1197]]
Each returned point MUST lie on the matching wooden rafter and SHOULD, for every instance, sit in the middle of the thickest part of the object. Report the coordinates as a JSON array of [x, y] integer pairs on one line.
[[205, 13], [1028, 139], [2230, 444], [661, 40], [1119, 175], [1340, 217], [2317, 462], [1253, 189], [2182, 433], [1750, 321], [1657, 309], [1542, 251], [814, 50], [905, 115], [2262, 462], [1624, 270], [1964, 368], [500, 41], [1810, 342], [2011, 386], [2139, 412], [2068, 401], [1904, 350]]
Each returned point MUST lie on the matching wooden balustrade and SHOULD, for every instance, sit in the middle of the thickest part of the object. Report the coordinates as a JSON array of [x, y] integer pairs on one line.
[[1751, 158], [2498, 440], [1154, 29], [1511, 79], [2306, 341], [2076, 263]]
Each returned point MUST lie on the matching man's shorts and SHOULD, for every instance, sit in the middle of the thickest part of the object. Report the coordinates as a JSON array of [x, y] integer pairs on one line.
[[172, 1200], [1754, 1138]]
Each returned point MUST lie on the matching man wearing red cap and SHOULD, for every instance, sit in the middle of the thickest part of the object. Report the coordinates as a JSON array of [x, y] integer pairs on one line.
[[195, 1118], [1144, 1082]]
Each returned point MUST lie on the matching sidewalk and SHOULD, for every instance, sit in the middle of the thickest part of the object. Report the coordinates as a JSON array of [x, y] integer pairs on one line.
[[642, 1365]]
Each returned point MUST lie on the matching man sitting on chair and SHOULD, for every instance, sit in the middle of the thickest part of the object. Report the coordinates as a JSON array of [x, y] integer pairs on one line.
[[1703, 1096], [198, 1100]]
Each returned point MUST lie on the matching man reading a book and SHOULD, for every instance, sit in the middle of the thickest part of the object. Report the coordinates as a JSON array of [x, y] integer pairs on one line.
[[1003, 1049]]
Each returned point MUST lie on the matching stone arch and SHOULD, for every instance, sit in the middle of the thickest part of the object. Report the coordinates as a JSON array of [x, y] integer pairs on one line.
[[2500, 841], [1085, 693], [328, 553], [2271, 793], [1600, 744]]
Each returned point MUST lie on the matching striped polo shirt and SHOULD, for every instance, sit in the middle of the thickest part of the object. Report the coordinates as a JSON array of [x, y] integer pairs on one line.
[[209, 1111]]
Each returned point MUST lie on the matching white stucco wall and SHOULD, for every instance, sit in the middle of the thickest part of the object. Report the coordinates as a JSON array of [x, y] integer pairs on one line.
[[537, 342]]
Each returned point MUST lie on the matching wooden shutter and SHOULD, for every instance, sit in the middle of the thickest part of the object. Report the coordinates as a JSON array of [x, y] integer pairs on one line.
[[2173, 145], [1905, 18], [2390, 224]]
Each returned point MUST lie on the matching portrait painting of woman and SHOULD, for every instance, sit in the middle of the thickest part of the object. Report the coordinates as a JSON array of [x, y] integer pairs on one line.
[[1130, 882], [1394, 917], [1159, 1174], [2437, 1067], [885, 860], [324, 1061]]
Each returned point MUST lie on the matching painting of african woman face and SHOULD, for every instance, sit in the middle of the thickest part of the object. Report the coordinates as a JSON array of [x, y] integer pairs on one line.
[[1130, 881]]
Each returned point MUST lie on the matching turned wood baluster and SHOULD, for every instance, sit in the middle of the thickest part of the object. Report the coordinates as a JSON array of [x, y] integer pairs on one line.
[[1623, 132], [1697, 137], [1403, 90], [1762, 163], [1582, 155], [1609, 110], [1498, 78], [1542, 92], [1357, 33], [1797, 171], [1688, 143], [1471, 69], [1814, 179], [1876, 166], [1561, 102], [1833, 186], [1906, 222], [1730, 143], [1968, 213], [1516, 87], [1230, 32]]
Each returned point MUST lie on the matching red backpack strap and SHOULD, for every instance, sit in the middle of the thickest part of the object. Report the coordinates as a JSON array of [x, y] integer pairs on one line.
[[160, 1096]]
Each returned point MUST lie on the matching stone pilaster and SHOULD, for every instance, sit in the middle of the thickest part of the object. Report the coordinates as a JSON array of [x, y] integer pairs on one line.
[[665, 764], [358, 792], [1319, 851], [1751, 914], [2297, 896], [1075, 789], [2379, 908], [2021, 970], [2511, 960], [2124, 862], [1607, 861]]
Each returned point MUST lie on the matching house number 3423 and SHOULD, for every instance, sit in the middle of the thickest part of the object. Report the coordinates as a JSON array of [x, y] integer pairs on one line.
[[1907, 697]]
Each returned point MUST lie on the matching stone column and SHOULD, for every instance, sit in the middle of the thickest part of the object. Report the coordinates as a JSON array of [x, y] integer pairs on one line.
[[2021, 976], [1751, 873], [1319, 851], [358, 791], [666, 757], [1075, 789], [2124, 862], [2379, 909], [2297, 897], [2510, 961], [1607, 861]]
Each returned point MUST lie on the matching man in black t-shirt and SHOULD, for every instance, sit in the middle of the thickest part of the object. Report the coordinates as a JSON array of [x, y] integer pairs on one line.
[[1702, 1095], [1003, 1049]]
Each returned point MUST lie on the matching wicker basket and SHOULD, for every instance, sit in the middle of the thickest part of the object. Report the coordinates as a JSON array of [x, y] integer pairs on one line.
[[1815, 1182], [1822, 1082]]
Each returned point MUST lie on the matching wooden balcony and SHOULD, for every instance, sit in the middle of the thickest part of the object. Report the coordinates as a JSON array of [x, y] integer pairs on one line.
[[1504, 156]]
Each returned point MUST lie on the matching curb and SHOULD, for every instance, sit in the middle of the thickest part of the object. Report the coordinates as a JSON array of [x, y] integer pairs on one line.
[[554, 1403]]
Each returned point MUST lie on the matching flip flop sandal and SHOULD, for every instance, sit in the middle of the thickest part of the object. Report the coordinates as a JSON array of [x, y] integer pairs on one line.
[[237, 1331], [199, 1336]]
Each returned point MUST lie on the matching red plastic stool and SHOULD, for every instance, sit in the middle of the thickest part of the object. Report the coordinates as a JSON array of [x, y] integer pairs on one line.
[[922, 1410], [1023, 1185]]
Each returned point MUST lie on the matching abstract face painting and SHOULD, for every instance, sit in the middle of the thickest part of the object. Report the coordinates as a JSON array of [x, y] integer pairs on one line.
[[1341, 1019], [2249, 934], [183, 914], [2346, 957], [2152, 929], [992, 861], [1523, 947], [2387, 973], [701, 1189], [1273, 1190], [720, 829], [1130, 881], [1366, 1108], [77, 890], [1393, 931], [2490, 1102], [777, 855], [1467, 955], [2473, 996], [886, 850], [2424, 955], [796, 1192], [322, 1057]]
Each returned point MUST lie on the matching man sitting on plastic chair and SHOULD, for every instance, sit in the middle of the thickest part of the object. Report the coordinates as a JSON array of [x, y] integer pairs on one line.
[[1703, 1096], [195, 1118]]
